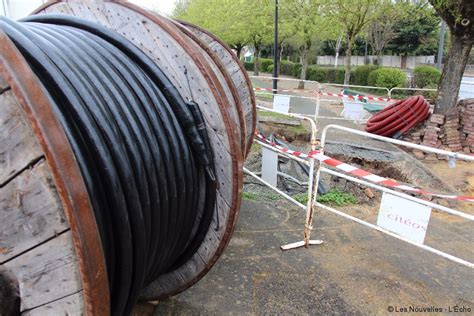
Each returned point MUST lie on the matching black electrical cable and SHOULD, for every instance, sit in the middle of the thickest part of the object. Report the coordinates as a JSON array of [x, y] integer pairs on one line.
[[143, 151]]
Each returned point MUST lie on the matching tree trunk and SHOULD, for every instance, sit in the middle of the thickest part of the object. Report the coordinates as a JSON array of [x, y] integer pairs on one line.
[[281, 54], [256, 62], [455, 63], [338, 48], [379, 58], [366, 57], [238, 49], [347, 74], [304, 68]]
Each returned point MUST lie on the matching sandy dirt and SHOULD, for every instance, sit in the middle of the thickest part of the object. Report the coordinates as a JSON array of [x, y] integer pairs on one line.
[[461, 177]]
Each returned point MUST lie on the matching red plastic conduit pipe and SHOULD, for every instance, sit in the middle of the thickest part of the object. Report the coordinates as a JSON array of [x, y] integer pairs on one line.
[[399, 117]]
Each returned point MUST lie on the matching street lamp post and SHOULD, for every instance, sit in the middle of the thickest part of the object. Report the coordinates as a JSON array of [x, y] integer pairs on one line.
[[275, 51]]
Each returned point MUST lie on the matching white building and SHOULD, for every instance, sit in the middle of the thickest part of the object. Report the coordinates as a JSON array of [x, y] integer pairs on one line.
[[17, 9]]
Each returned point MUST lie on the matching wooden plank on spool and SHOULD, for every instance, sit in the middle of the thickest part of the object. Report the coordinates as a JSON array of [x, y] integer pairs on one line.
[[18, 147], [192, 268], [30, 210], [47, 273], [63, 267], [69, 305]]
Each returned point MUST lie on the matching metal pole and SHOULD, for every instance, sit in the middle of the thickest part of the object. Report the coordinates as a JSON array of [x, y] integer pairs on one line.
[[275, 51], [441, 44], [366, 60]]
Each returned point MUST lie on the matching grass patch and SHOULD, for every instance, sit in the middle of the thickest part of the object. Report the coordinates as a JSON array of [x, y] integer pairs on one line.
[[264, 96], [250, 196], [302, 198], [333, 197], [300, 129], [272, 114], [273, 197], [337, 197]]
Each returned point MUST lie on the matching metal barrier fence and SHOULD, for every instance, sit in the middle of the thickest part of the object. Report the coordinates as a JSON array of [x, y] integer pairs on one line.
[[320, 96], [393, 192], [311, 186], [390, 92], [313, 189]]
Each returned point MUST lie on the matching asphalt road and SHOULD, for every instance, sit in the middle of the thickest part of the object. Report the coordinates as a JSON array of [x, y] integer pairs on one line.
[[355, 271]]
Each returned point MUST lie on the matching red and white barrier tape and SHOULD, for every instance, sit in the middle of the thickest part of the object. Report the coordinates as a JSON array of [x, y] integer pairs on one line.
[[338, 95], [316, 154], [358, 97]]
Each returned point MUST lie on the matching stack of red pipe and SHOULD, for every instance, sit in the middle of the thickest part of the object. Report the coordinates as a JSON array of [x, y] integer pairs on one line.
[[399, 117]]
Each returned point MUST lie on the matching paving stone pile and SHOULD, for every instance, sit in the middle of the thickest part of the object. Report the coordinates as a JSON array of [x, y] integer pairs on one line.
[[453, 131]]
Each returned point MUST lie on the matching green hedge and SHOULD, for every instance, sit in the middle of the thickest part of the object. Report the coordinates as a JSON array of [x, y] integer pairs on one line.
[[288, 68], [323, 74], [387, 77], [426, 76], [264, 63], [248, 66], [360, 76], [315, 73], [336, 75], [296, 72]]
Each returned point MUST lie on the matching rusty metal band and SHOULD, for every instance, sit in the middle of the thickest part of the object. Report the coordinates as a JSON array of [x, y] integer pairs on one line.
[[228, 79], [244, 72], [36, 104]]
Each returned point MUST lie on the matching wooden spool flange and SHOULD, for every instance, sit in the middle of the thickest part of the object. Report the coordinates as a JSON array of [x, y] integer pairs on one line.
[[218, 84], [49, 240]]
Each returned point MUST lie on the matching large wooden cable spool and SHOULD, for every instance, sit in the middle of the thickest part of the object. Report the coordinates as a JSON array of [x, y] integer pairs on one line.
[[49, 237]]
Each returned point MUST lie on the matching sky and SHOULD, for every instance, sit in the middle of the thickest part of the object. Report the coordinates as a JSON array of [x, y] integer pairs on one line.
[[163, 6]]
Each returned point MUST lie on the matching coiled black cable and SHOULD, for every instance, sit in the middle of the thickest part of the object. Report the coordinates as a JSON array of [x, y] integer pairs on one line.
[[143, 151]]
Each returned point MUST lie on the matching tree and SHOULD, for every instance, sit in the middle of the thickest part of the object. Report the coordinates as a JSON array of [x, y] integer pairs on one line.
[[382, 29], [180, 8], [459, 16], [416, 31], [308, 26], [259, 24], [215, 17], [353, 16]]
